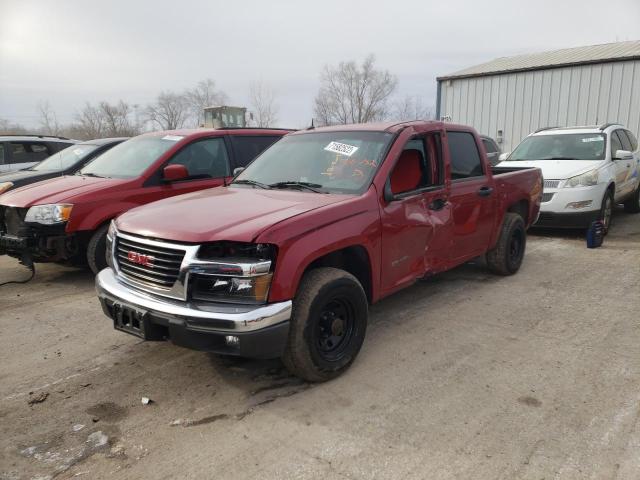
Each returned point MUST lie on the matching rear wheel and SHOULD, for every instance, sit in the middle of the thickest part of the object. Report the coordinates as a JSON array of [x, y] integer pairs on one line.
[[633, 204], [328, 325], [506, 257], [97, 250]]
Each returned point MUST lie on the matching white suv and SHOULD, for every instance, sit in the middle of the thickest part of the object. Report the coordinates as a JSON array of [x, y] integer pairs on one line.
[[586, 171]]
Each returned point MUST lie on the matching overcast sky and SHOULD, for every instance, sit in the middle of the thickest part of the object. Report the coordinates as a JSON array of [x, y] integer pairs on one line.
[[71, 51]]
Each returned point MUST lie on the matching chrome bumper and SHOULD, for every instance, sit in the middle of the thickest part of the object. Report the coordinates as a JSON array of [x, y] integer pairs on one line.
[[203, 318]]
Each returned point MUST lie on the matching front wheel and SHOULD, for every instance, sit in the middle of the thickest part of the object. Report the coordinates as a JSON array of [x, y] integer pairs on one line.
[[606, 210], [506, 257], [328, 325], [97, 250]]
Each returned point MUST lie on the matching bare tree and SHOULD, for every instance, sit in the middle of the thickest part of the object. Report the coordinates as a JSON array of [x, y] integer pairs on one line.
[[204, 94], [354, 94], [170, 111], [411, 108], [263, 104], [117, 119], [9, 128], [48, 119], [90, 122]]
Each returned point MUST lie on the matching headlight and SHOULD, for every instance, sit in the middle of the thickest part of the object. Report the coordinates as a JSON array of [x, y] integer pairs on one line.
[[111, 235], [4, 186], [49, 214], [214, 288], [112, 230], [585, 180], [233, 272]]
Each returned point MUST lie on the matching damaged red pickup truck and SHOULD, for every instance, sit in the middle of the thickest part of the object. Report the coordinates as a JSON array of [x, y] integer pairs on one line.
[[285, 260]]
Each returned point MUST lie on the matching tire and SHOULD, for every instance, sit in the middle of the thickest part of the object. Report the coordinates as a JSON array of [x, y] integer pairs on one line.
[[633, 204], [97, 250], [327, 326], [606, 210], [506, 257]]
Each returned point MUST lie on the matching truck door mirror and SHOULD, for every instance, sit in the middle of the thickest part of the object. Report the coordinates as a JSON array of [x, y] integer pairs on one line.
[[387, 192], [503, 156], [237, 171], [623, 155], [172, 173]]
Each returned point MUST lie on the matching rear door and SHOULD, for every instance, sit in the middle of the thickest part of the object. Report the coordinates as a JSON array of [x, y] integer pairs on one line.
[[472, 197]]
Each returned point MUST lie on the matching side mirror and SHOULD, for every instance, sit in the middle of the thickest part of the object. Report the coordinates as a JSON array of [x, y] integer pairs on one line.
[[237, 171], [623, 155], [174, 172], [503, 156]]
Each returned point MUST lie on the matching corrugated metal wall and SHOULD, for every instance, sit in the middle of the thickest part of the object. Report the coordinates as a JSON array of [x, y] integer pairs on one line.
[[519, 103]]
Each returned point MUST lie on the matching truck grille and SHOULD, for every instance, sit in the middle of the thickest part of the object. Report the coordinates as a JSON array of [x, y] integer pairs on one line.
[[546, 197], [149, 264], [551, 183]]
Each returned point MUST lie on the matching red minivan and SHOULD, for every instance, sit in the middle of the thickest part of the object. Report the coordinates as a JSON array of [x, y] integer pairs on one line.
[[66, 219]]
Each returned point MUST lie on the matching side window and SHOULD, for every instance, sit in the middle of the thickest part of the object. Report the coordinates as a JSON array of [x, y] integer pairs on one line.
[[1, 154], [28, 152], [204, 158], [616, 144], [626, 144], [465, 158], [632, 140], [489, 146], [248, 148], [419, 165]]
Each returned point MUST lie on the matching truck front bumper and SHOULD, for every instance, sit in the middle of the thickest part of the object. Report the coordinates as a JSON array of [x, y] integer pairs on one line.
[[247, 331]]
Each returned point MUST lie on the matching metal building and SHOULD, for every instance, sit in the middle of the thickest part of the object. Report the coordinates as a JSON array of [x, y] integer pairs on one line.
[[508, 98]]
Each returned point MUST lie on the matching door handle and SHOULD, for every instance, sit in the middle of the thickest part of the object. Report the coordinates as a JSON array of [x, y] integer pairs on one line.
[[437, 204], [485, 191]]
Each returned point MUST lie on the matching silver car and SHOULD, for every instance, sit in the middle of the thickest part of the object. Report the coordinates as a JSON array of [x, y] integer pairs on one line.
[[18, 152]]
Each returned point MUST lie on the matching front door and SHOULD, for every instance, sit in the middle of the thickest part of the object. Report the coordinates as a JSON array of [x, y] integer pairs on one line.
[[416, 223]]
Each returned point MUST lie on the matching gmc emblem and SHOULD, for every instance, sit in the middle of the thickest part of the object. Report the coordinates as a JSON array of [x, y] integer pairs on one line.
[[141, 259]]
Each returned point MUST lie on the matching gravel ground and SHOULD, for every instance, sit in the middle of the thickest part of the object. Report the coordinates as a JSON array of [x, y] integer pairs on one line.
[[466, 375]]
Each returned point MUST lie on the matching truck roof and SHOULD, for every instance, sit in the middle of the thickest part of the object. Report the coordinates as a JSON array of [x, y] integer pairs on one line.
[[391, 127]]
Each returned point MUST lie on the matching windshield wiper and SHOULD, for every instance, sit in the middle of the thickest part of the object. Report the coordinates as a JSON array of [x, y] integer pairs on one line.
[[251, 182], [301, 185], [94, 175], [559, 158]]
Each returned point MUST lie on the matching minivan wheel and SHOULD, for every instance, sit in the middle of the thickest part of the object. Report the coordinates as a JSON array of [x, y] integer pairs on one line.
[[97, 250], [506, 257], [606, 210], [327, 326], [633, 204]]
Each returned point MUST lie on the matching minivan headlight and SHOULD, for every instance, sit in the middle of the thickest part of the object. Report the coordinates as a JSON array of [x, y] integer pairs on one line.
[[587, 179], [49, 214]]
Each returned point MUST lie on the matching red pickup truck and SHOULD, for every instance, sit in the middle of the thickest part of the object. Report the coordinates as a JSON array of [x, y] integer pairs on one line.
[[286, 259], [65, 219]]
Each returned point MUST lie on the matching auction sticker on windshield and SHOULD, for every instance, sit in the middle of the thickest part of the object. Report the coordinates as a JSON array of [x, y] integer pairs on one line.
[[341, 148], [592, 139], [173, 138]]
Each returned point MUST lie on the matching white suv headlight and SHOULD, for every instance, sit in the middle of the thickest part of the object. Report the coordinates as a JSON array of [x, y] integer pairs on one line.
[[49, 214], [587, 179]]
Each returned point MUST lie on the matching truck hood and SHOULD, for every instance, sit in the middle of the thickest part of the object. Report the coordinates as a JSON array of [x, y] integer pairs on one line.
[[557, 169], [221, 213], [57, 190]]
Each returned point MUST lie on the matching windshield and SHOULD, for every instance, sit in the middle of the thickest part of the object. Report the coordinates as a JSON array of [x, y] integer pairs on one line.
[[570, 146], [129, 159], [65, 159], [336, 162]]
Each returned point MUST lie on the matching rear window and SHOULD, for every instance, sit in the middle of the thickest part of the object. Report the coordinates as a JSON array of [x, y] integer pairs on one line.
[[568, 146]]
